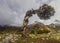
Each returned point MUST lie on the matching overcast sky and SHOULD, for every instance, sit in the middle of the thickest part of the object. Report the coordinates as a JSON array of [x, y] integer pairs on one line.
[[12, 12]]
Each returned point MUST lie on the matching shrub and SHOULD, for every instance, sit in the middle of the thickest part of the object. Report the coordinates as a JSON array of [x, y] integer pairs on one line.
[[42, 31]]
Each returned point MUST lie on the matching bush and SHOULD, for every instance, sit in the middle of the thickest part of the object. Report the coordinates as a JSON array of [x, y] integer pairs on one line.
[[32, 32], [38, 31], [42, 31]]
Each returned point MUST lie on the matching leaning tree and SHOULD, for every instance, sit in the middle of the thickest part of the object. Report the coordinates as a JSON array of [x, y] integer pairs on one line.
[[44, 12]]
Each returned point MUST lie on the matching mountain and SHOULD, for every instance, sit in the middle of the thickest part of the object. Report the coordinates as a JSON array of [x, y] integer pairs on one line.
[[38, 25], [56, 25]]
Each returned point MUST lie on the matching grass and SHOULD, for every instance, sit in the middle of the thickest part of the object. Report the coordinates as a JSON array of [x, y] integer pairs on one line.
[[39, 38], [36, 36]]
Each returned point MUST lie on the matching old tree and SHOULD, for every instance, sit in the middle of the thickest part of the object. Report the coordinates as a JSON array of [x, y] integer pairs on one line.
[[44, 12]]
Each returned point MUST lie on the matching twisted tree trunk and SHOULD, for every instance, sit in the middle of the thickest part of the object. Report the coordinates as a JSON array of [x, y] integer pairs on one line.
[[26, 21], [44, 12]]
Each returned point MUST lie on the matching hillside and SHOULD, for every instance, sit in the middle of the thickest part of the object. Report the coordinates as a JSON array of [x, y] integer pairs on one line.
[[37, 31]]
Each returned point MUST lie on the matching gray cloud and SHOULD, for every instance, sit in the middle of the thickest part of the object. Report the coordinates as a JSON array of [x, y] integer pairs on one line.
[[12, 12]]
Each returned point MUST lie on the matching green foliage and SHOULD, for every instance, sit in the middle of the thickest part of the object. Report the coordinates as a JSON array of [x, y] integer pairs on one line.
[[38, 31], [32, 32], [45, 12], [42, 31]]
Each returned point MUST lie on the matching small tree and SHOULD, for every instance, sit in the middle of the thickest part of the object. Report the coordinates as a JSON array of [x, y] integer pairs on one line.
[[44, 12]]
